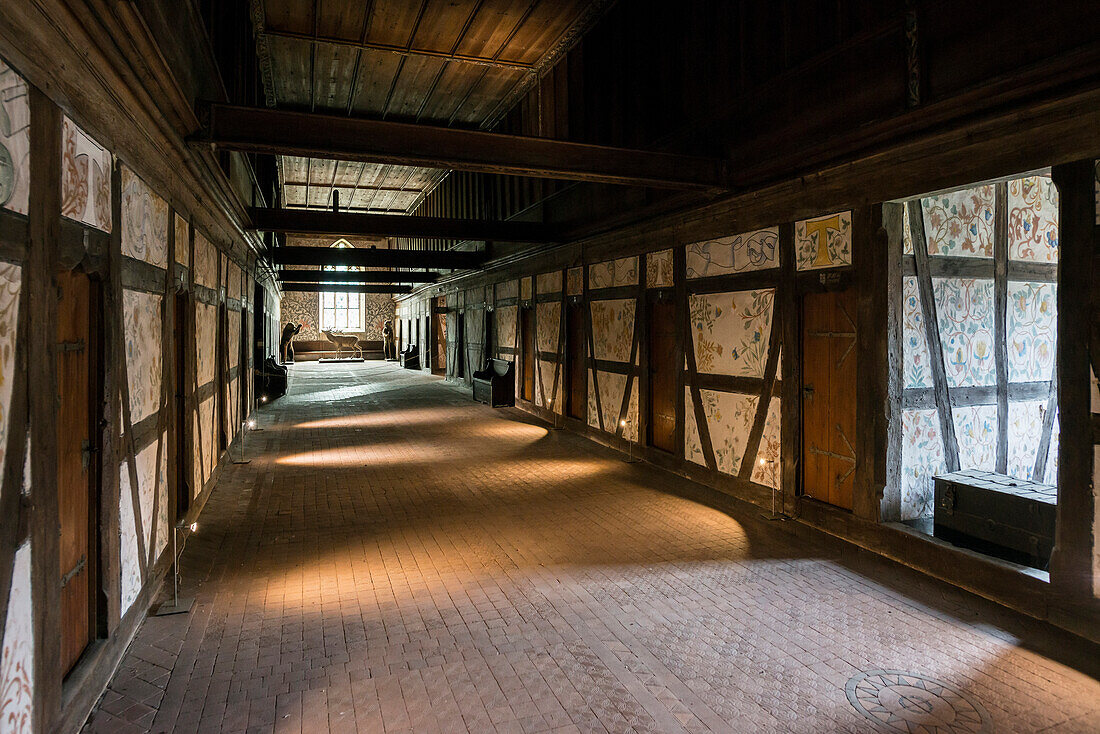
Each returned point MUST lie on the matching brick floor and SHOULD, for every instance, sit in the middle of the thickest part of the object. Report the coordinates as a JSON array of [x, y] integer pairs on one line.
[[397, 558]]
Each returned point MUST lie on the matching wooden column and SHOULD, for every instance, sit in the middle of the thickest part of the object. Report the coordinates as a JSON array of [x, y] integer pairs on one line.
[[790, 429], [893, 225], [1071, 562], [44, 224], [871, 250]]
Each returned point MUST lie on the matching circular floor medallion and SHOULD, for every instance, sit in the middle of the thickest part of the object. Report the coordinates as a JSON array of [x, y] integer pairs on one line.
[[909, 702]]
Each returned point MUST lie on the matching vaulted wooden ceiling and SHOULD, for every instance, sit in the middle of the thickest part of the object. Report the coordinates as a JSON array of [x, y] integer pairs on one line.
[[460, 63]]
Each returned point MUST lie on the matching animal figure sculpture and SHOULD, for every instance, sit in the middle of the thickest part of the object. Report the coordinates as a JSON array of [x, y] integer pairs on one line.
[[286, 347], [388, 343], [344, 341]]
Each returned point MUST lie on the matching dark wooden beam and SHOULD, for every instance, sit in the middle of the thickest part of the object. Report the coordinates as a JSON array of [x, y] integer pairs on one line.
[[356, 276], [303, 221], [260, 130], [344, 288], [375, 258]]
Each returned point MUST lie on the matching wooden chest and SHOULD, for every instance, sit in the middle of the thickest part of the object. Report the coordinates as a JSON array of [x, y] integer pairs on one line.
[[997, 514]]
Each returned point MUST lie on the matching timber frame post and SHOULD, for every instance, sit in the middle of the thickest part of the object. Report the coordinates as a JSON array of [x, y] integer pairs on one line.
[[1071, 569]]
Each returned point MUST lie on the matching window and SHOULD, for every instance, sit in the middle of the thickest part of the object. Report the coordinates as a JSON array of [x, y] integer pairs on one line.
[[341, 311]]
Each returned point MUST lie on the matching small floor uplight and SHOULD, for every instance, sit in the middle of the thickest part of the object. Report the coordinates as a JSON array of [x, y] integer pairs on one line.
[[629, 444], [194, 527]]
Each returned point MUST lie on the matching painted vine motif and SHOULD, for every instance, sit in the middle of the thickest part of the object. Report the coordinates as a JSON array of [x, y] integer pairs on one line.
[[916, 362], [729, 419], [960, 223], [823, 242], [144, 221], [549, 282], [731, 331], [1033, 219], [142, 323], [505, 330], [612, 273], [17, 664], [206, 261], [183, 246], [612, 388], [525, 289], [964, 307], [613, 329], [658, 269], [735, 254], [574, 282], [548, 320], [976, 433], [1032, 331], [769, 456], [15, 142], [922, 458], [148, 476]]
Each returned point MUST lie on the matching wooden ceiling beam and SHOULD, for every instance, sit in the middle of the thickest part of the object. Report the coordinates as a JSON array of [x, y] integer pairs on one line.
[[305, 222], [372, 257], [344, 288], [357, 276], [279, 132]]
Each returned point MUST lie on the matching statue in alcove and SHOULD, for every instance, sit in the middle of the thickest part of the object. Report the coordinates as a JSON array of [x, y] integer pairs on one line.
[[286, 348], [389, 344]]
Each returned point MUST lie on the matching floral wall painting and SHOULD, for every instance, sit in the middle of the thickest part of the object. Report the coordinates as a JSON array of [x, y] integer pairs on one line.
[[205, 335], [548, 326], [525, 289], [612, 386], [10, 285], [658, 269], [1033, 219], [548, 386], [507, 289], [964, 307], [824, 242], [729, 419], [767, 469], [152, 484], [731, 331], [1025, 431], [613, 329], [922, 459], [142, 322], [1032, 331], [612, 273], [183, 245], [206, 262], [506, 326], [549, 282], [15, 142], [916, 363], [737, 254], [574, 282], [17, 662], [85, 178], [960, 223], [976, 434], [144, 221]]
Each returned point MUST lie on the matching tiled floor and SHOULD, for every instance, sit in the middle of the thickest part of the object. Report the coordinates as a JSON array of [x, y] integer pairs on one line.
[[397, 558]]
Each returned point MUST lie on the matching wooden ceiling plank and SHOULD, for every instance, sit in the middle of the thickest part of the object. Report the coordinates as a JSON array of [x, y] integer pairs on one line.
[[261, 130], [345, 288], [345, 224], [363, 276]]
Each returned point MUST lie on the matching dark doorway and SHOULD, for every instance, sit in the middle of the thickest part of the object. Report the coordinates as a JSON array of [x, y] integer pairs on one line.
[[527, 336], [183, 448], [829, 396], [78, 373], [576, 345], [222, 361], [663, 361]]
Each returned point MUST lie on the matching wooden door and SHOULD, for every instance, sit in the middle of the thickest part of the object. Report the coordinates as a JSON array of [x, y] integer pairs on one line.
[[829, 396], [662, 374], [76, 461], [577, 371], [527, 334], [182, 430]]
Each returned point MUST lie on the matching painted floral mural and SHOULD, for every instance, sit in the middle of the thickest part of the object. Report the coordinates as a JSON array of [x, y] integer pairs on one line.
[[507, 289], [1025, 431], [1032, 331], [548, 385], [17, 663], [206, 324], [525, 289], [731, 331], [505, 326], [142, 322], [183, 244], [976, 435], [824, 242], [613, 329], [574, 282], [612, 386], [768, 469], [85, 178], [548, 326], [549, 282], [206, 261], [916, 363], [15, 142], [737, 254], [729, 420], [964, 307], [152, 487], [10, 283], [1033, 219], [658, 269], [960, 223], [921, 459], [612, 273], [144, 221]]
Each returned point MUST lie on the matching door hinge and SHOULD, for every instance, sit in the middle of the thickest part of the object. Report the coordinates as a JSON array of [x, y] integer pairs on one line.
[[74, 346], [74, 572]]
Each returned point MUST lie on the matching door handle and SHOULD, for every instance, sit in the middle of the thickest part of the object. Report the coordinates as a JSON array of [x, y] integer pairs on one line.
[[808, 390]]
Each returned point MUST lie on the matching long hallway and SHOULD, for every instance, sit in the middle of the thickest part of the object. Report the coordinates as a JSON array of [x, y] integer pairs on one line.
[[398, 558]]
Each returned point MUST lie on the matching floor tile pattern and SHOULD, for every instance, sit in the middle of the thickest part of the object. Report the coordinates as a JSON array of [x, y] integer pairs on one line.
[[397, 558]]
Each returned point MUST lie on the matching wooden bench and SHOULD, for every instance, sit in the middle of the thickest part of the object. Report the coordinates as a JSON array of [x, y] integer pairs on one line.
[[495, 383], [310, 350], [410, 357], [997, 514]]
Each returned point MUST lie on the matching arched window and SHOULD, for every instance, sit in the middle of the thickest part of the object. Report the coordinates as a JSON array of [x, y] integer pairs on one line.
[[341, 311]]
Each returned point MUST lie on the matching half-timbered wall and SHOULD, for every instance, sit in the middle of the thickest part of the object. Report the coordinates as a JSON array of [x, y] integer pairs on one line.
[[140, 252]]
